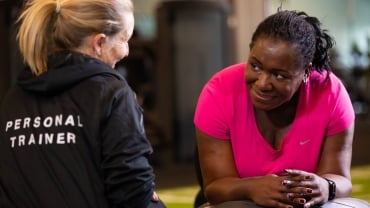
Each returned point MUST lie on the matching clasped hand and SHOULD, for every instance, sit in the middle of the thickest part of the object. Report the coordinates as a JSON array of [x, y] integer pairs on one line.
[[290, 188]]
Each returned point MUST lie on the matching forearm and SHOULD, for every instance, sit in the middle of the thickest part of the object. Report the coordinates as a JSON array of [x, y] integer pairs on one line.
[[229, 189], [335, 161], [343, 184]]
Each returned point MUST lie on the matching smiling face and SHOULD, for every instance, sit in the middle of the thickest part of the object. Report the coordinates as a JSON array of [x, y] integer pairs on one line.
[[273, 74], [116, 47]]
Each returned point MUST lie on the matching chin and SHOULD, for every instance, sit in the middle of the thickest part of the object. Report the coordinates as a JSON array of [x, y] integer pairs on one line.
[[113, 65], [264, 106]]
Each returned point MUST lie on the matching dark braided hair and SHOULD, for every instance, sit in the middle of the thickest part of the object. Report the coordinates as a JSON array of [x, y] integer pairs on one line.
[[303, 31]]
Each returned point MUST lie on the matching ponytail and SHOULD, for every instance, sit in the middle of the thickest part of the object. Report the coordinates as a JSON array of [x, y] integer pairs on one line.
[[324, 43], [34, 33]]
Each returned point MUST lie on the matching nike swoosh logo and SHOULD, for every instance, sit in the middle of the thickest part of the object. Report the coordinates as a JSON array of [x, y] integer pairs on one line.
[[303, 142]]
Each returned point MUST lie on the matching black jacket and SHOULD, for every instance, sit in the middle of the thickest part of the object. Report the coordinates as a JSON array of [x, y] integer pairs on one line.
[[73, 137]]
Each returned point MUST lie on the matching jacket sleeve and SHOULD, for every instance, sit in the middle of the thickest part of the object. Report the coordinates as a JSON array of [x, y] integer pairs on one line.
[[128, 176]]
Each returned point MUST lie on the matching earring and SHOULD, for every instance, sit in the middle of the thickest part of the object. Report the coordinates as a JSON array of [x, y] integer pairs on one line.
[[307, 73], [305, 78]]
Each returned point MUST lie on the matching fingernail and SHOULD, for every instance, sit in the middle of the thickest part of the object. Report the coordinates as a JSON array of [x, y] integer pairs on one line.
[[286, 182], [287, 170], [302, 201], [290, 196], [309, 191]]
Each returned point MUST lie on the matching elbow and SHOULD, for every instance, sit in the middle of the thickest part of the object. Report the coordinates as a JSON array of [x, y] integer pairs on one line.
[[215, 195], [344, 189], [211, 195], [347, 191]]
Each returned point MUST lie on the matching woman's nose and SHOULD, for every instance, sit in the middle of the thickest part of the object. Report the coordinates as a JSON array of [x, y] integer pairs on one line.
[[263, 81]]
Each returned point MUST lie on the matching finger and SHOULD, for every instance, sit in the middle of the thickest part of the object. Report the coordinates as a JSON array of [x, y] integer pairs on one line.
[[310, 203], [307, 205], [281, 200], [307, 184], [155, 197], [297, 175], [296, 198], [302, 192], [282, 173], [286, 182], [290, 196], [294, 172], [299, 186], [299, 200]]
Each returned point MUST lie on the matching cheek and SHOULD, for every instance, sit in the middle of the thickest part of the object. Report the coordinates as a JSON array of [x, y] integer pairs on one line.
[[250, 75], [111, 57], [288, 91], [120, 53]]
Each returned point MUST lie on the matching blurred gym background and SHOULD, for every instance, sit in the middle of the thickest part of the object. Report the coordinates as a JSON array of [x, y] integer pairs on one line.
[[179, 44]]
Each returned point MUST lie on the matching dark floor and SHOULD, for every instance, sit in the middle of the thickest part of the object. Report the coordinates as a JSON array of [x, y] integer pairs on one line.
[[172, 174]]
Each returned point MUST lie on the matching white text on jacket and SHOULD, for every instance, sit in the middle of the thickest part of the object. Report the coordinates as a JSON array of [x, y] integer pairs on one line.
[[43, 135]]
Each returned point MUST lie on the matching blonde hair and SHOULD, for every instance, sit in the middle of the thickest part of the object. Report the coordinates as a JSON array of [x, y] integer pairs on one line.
[[47, 26]]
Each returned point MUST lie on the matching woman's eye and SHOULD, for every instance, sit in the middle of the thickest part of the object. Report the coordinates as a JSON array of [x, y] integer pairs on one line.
[[279, 76], [255, 67]]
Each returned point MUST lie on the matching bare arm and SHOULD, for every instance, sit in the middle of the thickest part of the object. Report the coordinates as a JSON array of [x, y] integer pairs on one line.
[[218, 170], [222, 182], [335, 161], [334, 164]]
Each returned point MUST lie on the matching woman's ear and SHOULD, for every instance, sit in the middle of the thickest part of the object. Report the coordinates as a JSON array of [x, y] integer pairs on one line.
[[98, 41]]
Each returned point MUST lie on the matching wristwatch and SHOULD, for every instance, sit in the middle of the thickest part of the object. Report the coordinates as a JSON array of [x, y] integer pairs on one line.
[[332, 189]]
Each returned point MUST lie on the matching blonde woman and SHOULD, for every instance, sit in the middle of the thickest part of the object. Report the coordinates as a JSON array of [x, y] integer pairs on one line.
[[71, 129]]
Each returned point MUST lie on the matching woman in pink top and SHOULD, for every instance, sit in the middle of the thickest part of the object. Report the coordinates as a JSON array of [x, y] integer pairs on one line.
[[277, 131]]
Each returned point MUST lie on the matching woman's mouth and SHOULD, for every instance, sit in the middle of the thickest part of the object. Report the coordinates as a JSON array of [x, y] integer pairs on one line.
[[261, 96]]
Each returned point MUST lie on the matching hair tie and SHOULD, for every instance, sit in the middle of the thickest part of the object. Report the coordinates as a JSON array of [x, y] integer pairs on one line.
[[57, 9]]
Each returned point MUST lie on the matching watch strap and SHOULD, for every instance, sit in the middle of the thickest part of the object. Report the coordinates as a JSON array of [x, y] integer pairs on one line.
[[332, 189]]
